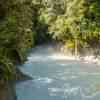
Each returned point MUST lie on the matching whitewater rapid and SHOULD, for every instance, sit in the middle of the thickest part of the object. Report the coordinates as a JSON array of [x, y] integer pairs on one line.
[[58, 77]]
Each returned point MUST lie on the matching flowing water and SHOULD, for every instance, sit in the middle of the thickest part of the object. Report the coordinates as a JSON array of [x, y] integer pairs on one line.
[[55, 77]]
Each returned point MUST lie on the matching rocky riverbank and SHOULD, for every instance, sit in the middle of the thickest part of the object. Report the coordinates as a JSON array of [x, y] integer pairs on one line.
[[7, 91], [88, 55], [21, 76]]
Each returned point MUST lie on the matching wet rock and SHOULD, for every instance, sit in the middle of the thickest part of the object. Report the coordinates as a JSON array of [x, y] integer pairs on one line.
[[21, 76], [7, 92]]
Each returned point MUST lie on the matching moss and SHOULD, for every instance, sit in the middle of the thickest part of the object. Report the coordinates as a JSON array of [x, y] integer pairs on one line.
[[7, 70]]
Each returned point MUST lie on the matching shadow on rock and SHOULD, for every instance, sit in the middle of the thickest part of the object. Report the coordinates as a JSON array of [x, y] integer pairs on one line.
[[20, 76]]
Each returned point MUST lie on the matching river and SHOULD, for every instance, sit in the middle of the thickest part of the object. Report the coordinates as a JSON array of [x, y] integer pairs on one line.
[[57, 78]]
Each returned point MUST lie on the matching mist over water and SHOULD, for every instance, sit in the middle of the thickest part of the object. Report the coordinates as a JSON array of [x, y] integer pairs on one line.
[[58, 77]]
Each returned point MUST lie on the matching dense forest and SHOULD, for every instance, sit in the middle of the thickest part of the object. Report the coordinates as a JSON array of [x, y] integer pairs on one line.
[[26, 23]]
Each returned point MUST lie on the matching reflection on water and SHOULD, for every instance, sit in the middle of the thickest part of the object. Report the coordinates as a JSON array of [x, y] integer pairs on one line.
[[57, 78]]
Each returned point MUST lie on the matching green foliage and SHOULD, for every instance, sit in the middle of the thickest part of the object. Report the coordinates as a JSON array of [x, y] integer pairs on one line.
[[24, 23], [16, 34], [71, 20], [7, 71]]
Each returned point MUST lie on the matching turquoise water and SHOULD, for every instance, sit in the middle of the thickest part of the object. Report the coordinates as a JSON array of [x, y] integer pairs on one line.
[[56, 78]]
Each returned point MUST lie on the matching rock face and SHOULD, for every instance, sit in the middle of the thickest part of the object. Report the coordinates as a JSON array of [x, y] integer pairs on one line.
[[7, 92]]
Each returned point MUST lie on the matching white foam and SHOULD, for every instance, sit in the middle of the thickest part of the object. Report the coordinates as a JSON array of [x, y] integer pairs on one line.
[[44, 80], [49, 54], [61, 57], [55, 89], [64, 90]]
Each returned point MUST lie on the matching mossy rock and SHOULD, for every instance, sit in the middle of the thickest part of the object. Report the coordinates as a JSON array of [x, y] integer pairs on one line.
[[20, 76], [7, 69]]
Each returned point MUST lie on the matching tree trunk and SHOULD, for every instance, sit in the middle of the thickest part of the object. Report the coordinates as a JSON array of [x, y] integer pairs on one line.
[[76, 47]]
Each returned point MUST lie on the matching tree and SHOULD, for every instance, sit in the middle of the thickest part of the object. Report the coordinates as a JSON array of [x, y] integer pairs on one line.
[[16, 34]]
